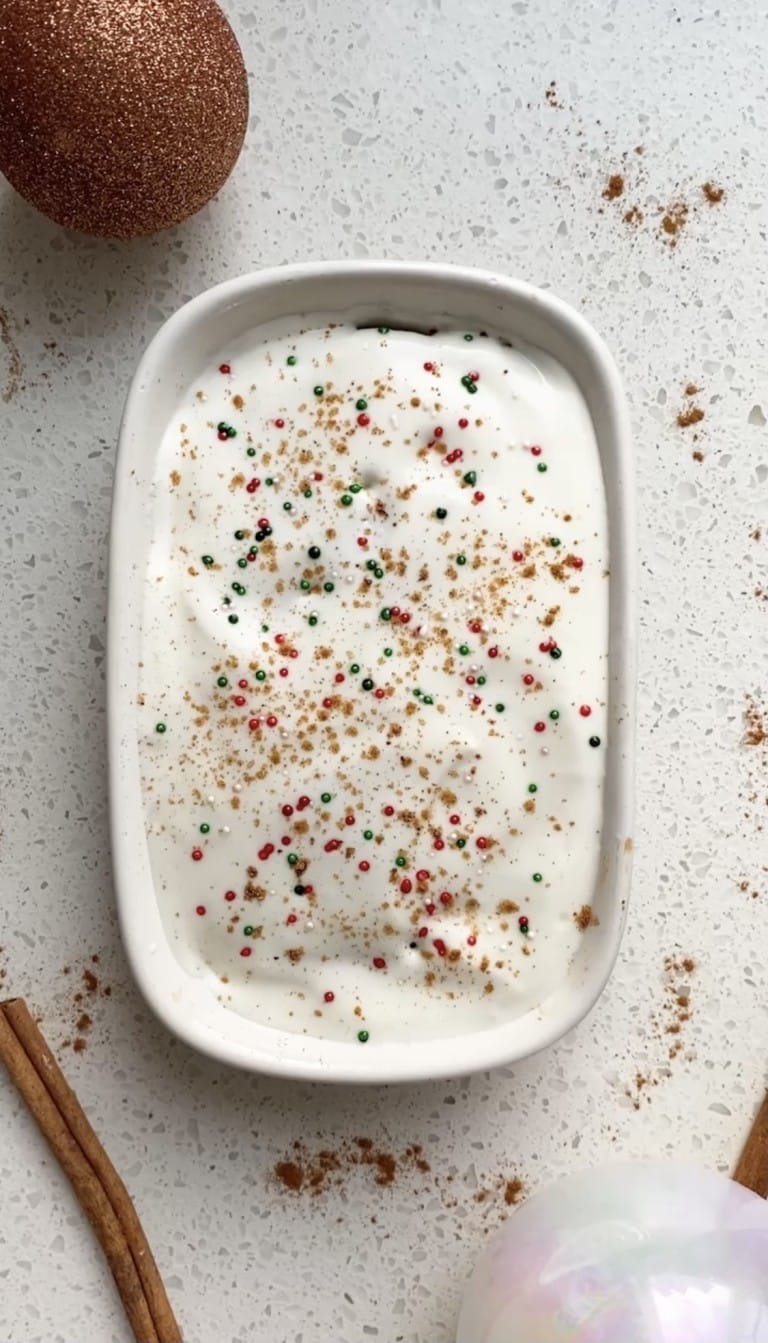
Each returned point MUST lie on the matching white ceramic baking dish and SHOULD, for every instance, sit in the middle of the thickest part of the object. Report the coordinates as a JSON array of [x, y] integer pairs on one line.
[[412, 297]]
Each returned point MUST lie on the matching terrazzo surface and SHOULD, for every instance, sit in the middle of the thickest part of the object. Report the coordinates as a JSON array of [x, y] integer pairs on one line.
[[482, 135]]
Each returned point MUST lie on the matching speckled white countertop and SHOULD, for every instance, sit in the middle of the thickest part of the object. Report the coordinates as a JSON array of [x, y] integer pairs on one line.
[[407, 130]]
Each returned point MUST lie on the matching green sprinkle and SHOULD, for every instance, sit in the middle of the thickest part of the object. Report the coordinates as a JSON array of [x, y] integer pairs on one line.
[[160, 727], [261, 676], [400, 861], [370, 564], [205, 829], [239, 589], [355, 667], [312, 620], [355, 489], [325, 797], [222, 426], [287, 506], [378, 573], [554, 714], [554, 540], [239, 535], [231, 433], [367, 684], [470, 477], [314, 552], [265, 629], [533, 788], [427, 699], [291, 360], [363, 1036], [307, 494], [367, 834], [328, 587], [541, 466], [242, 563], [461, 559], [207, 561], [499, 708], [305, 585], [253, 552], [248, 930], [416, 692], [463, 649], [383, 330], [293, 859], [268, 480], [593, 741], [537, 877], [318, 389], [460, 843], [469, 337], [233, 620], [555, 653], [386, 613], [387, 652], [250, 452], [361, 404], [441, 513], [222, 682], [346, 500], [481, 680]]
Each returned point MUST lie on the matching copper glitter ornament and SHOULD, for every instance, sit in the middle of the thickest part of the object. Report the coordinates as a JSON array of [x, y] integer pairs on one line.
[[119, 117]]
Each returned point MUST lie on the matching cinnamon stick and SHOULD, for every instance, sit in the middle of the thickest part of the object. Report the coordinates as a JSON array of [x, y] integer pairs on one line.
[[99, 1189], [752, 1166]]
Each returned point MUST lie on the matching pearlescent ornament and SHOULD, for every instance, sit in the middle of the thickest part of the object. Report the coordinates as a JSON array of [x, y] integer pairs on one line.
[[119, 117], [649, 1253]]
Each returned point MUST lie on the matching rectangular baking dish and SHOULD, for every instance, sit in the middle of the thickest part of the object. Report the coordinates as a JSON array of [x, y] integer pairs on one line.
[[413, 297]]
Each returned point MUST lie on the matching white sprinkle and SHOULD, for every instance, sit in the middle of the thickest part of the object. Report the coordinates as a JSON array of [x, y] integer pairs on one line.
[[211, 799], [545, 750], [309, 925], [237, 788], [225, 830], [393, 420]]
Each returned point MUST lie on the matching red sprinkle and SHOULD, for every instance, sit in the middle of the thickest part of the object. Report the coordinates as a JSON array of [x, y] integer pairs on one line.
[[285, 841], [196, 855], [339, 677], [230, 896], [363, 420], [429, 368], [430, 908], [349, 820], [476, 699], [332, 845], [585, 711], [303, 802], [422, 874], [380, 963], [245, 951], [283, 671], [292, 918], [222, 435], [493, 651], [317, 475], [271, 720], [287, 810], [362, 541], [471, 941], [253, 485], [254, 723], [328, 997], [224, 368], [453, 456], [327, 703], [476, 626], [470, 680], [455, 819], [439, 946], [243, 684], [547, 646], [478, 496], [279, 424], [279, 638], [364, 865], [481, 842], [535, 450], [293, 652], [406, 886], [576, 563], [439, 844], [446, 898], [379, 693], [389, 811], [518, 556], [423, 932], [200, 910], [239, 700], [528, 679], [463, 424], [438, 432], [539, 727]]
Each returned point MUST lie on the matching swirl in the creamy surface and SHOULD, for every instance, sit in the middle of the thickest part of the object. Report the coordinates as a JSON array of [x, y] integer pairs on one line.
[[374, 679]]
